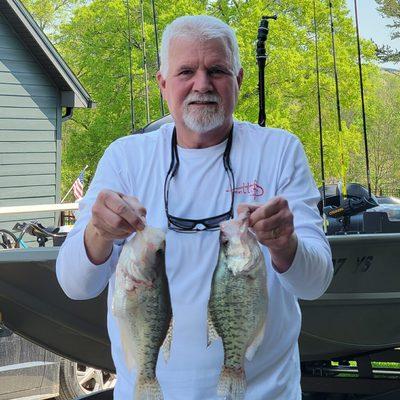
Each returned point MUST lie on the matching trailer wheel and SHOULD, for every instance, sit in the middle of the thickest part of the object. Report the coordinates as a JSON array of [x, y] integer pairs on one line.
[[78, 380]]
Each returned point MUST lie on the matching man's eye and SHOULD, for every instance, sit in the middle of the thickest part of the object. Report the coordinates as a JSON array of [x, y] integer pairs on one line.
[[217, 71], [185, 72]]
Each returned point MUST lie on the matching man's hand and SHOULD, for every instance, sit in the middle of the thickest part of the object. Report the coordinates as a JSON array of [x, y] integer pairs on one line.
[[272, 224], [114, 216]]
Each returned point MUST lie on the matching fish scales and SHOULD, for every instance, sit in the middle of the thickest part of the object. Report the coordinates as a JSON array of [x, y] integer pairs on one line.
[[142, 307], [238, 303], [227, 311]]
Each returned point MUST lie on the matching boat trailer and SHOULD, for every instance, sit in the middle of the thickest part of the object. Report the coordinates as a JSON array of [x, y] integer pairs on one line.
[[367, 377]]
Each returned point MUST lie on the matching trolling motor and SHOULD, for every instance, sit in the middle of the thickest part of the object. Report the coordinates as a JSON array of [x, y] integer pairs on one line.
[[261, 59], [356, 202], [351, 207]]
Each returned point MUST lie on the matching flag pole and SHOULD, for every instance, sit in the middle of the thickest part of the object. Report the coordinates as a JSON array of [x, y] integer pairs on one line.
[[69, 191]]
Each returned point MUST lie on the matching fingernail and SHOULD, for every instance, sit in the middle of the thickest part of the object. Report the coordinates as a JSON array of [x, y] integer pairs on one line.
[[139, 227]]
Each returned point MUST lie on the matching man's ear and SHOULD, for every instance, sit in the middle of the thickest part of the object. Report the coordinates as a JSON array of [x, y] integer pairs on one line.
[[161, 82], [239, 77]]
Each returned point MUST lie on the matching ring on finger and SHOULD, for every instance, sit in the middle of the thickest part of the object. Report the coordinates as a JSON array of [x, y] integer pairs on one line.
[[274, 233]]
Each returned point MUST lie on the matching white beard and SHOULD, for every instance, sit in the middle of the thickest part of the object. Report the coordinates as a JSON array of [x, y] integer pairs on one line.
[[205, 118]]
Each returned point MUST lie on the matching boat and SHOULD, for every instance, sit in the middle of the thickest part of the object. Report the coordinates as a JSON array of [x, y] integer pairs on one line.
[[354, 317]]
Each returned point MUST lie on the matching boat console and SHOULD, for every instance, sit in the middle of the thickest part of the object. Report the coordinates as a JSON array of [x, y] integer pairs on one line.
[[357, 212]]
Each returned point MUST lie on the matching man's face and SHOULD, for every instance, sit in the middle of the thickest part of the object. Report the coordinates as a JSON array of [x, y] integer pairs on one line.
[[200, 87]]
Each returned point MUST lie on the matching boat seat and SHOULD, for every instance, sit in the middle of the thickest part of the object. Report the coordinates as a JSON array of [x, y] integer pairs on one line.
[[358, 191]]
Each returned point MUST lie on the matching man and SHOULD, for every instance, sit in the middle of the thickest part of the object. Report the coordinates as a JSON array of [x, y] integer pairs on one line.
[[190, 175]]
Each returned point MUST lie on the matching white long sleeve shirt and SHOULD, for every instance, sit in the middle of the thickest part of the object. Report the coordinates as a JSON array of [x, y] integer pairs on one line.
[[266, 163]]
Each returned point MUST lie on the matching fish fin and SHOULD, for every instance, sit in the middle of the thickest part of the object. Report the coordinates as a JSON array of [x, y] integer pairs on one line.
[[251, 350], [212, 333], [166, 346], [127, 342], [232, 384], [148, 389]]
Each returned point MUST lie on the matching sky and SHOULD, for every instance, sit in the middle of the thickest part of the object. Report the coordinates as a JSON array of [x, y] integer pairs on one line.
[[373, 26]]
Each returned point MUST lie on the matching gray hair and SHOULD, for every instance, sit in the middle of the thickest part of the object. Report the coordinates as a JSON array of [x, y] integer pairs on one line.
[[199, 27]]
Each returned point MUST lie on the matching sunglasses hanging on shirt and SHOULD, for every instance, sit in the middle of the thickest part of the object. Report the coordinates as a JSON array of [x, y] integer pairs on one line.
[[187, 225]]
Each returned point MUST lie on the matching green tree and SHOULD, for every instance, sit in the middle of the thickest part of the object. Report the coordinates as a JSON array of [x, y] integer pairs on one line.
[[95, 43], [390, 9], [50, 13], [383, 123]]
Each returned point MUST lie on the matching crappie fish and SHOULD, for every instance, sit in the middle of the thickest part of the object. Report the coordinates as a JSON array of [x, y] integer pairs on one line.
[[237, 307], [142, 307]]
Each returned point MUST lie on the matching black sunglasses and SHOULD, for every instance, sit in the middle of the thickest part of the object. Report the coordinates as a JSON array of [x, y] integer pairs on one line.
[[186, 225]]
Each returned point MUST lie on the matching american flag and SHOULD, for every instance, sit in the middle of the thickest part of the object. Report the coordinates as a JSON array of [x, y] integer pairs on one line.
[[77, 187]]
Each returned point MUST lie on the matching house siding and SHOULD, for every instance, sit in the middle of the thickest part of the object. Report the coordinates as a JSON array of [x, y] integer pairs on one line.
[[30, 131]]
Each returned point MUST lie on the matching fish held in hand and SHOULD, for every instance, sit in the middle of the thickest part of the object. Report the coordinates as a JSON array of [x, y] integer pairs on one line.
[[237, 308], [142, 308]]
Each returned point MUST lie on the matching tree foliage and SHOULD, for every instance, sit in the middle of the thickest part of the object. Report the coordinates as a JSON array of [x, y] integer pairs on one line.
[[383, 122], [390, 9], [95, 43], [49, 13]]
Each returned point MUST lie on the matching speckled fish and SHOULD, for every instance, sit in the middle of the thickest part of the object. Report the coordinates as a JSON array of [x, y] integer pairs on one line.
[[237, 307], [142, 307]]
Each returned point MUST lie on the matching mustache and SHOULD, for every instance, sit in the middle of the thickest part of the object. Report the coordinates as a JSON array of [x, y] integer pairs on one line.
[[197, 97]]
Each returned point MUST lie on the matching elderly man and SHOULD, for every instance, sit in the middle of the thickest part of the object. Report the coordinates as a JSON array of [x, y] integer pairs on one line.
[[195, 162]]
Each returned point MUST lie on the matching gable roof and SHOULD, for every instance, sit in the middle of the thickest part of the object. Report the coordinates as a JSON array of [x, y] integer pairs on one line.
[[73, 94]]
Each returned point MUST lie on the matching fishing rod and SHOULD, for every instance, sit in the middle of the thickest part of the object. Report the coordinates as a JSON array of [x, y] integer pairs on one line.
[[130, 66], [261, 59], [362, 101], [353, 205], [157, 52], [146, 88], [321, 143], [339, 114]]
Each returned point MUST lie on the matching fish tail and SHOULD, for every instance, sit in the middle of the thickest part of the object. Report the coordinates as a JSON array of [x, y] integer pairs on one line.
[[232, 383], [148, 389]]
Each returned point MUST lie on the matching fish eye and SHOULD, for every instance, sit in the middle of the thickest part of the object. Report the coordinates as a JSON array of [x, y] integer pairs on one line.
[[224, 240]]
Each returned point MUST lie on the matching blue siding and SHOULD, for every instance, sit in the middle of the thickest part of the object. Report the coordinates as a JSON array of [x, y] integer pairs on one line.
[[29, 120]]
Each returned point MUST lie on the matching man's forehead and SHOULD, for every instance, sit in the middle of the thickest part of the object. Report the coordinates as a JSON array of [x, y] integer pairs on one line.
[[184, 50]]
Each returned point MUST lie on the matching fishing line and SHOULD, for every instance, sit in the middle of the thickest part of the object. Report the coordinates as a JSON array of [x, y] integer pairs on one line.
[[321, 145], [128, 14], [157, 52], [146, 85], [362, 102], [343, 171]]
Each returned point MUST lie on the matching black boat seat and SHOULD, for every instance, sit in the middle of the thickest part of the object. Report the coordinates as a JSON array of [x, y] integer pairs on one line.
[[358, 191]]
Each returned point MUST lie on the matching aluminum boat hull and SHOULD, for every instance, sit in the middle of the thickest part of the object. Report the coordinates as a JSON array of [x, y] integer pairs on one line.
[[358, 313]]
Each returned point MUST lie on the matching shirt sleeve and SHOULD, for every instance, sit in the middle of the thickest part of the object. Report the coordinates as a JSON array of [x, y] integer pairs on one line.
[[311, 271], [77, 275]]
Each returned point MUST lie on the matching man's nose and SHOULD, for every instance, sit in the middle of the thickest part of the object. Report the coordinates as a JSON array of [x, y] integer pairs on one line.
[[202, 82]]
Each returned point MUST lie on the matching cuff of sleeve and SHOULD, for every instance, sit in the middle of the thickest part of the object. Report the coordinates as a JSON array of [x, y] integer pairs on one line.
[[94, 278], [294, 274], [310, 273], [108, 264]]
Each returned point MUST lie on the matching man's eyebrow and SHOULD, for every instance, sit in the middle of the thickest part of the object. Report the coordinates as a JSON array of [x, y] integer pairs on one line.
[[220, 66], [185, 66]]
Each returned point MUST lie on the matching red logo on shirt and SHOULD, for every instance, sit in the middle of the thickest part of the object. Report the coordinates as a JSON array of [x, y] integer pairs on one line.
[[253, 189]]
